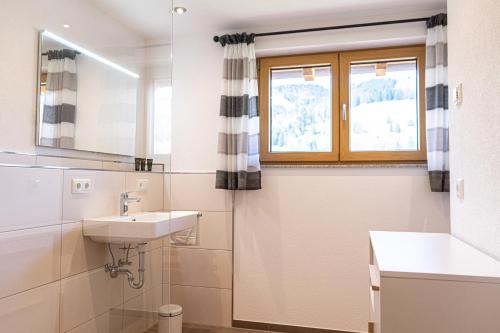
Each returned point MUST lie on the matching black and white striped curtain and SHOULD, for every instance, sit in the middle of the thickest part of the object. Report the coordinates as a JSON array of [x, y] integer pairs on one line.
[[59, 107], [238, 139], [436, 84]]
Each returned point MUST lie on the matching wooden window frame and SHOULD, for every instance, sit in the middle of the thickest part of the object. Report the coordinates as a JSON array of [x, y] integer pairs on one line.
[[265, 66], [340, 70], [412, 52]]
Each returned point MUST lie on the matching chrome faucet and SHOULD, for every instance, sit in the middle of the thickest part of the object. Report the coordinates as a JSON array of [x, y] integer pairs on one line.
[[124, 200]]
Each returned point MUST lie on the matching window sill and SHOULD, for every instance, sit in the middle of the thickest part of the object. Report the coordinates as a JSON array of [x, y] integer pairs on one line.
[[344, 165]]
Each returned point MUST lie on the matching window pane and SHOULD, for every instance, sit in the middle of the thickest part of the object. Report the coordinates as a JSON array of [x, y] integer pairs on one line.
[[384, 106], [301, 110], [162, 110]]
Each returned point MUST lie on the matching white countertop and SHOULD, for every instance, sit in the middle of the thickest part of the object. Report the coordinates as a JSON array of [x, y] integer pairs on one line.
[[431, 256]]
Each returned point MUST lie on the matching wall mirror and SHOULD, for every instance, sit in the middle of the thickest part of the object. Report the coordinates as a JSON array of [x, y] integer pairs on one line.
[[105, 87], [85, 101]]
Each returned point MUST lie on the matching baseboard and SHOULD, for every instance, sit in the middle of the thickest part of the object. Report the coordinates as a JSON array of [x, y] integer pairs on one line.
[[252, 325]]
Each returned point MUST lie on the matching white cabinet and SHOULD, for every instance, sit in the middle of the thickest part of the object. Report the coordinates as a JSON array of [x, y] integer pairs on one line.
[[432, 283]]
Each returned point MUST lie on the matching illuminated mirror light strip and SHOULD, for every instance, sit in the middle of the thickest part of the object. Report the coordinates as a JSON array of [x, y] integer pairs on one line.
[[89, 53]]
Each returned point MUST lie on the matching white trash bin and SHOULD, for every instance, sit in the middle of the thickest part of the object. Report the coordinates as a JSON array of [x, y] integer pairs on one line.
[[170, 318]]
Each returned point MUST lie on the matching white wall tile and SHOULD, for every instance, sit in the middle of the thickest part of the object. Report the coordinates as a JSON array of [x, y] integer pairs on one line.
[[134, 319], [30, 258], [155, 244], [215, 231], [166, 263], [30, 197], [118, 166], [87, 295], [153, 274], [18, 159], [166, 293], [167, 183], [103, 199], [200, 267], [153, 302], [36, 310], [205, 306], [152, 197], [80, 253], [68, 162], [141, 312], [109, 322], [197, 192], [158, 167]]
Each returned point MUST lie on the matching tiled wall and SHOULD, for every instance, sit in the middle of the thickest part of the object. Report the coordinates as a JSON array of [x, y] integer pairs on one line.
[[201, 275], [52, 280]]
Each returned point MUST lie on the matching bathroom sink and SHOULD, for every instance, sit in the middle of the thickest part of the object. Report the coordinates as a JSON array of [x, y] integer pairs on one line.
[[138, 227]]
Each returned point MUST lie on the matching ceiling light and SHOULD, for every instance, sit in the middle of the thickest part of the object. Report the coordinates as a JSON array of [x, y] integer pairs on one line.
[[67, 26], [89, 53], [180, 10]]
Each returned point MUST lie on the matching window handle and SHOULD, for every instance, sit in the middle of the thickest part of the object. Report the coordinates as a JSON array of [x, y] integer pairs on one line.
[[344, 112]]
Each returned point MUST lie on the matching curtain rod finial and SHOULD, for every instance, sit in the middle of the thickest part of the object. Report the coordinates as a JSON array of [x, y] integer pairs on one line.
[[216, 39]]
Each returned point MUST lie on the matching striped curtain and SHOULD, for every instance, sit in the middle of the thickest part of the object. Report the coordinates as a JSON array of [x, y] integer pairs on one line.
[[59, 106], [238, 139], [436, 84]]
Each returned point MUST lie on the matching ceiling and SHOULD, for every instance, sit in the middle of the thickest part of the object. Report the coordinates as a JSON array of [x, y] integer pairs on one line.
[[152, 18]]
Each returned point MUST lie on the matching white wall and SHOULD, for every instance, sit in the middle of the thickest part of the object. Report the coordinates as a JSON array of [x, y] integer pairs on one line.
[[20, 21], [300, 244], [474, 46], [53, 278]]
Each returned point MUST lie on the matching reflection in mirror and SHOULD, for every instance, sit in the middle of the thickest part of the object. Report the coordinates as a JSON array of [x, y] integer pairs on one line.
[[85, 101]]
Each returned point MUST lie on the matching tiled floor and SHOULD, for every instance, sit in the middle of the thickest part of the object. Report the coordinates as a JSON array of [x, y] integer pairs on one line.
[[206, 329]]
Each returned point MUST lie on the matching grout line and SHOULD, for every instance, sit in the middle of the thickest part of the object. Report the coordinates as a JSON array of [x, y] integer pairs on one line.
[[30, 228], [201, 210], [30, 289], [187, 247], [90, 269], [191, 286], [60, 266], [85, 322], [29, 166]]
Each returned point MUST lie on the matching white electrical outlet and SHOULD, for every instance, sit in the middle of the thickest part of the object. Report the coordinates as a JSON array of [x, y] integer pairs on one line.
[[81, 186], [142, 184]]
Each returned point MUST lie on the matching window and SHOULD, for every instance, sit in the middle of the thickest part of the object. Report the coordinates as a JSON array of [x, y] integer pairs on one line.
[[162, 113], [159, 114], [299, 108], [349, 106]]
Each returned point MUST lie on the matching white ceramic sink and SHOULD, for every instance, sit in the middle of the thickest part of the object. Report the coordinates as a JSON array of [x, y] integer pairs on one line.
[[139, 227]]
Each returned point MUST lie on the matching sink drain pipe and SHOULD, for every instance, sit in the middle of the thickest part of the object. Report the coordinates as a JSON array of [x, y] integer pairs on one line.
[[115, 269]]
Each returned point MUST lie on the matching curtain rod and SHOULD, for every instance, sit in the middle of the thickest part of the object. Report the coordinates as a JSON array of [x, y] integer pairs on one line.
[[47, 53], [335, 27]]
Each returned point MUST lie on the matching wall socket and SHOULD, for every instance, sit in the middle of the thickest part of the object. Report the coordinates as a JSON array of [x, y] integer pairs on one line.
[[81, 185]]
